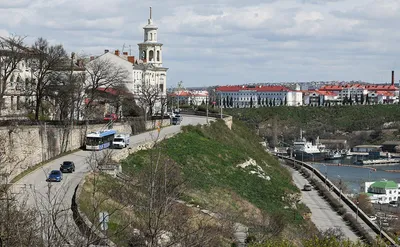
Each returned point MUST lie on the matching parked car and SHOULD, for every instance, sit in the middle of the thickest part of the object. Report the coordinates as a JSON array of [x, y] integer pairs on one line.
[[171, 114], [393, 204], [55, 176], [176, 120], [67, 166], [373, 218], [109, 117], [307, 187]]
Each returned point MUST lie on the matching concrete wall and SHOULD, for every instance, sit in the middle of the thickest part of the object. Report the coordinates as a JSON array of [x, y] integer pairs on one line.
[[24, 146]]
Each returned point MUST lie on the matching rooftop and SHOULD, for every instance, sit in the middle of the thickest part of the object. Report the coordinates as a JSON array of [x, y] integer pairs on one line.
[[385, 185]]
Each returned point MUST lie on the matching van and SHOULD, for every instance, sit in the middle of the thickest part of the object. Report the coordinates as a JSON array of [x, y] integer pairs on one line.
[[121, 141]]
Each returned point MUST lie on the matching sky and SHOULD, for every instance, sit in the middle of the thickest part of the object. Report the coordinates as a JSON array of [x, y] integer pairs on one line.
[[227, 42]]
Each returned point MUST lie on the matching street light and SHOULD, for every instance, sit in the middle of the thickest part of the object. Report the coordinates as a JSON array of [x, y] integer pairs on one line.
[[340, 187], [326, 175], [207, 109]]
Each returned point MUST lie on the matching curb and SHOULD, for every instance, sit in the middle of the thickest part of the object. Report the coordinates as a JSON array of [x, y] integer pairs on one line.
[[84, 224]]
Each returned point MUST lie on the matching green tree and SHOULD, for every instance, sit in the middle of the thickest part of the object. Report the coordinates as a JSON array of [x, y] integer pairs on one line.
[[251, 102], [231, 102], [367, 99], [223, 102], [362, 99], [285, 101], [274, 102], [259, 100], [262, 102]]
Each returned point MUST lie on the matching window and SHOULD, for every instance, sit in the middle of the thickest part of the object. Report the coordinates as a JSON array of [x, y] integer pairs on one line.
[[161, 86]]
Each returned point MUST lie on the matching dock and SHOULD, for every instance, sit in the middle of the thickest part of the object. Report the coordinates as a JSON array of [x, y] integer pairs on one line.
[[380, 162]]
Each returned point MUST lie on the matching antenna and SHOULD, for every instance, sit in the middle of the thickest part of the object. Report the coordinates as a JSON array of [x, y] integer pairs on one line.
[[123, 47], [150, 12]]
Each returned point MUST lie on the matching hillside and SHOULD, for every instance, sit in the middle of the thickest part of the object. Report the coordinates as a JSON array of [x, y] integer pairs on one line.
[[326, 122], [200, 167]]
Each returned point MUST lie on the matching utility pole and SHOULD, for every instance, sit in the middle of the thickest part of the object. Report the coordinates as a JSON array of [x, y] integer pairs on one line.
[[179, 92], [220, 102], [207, 109]]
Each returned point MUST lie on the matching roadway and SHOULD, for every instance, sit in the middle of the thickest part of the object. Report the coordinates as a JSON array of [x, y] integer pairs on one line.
[[322, 215], [55, 198]]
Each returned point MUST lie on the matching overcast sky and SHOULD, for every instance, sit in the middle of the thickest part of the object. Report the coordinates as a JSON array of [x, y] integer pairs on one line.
[[219, 42]]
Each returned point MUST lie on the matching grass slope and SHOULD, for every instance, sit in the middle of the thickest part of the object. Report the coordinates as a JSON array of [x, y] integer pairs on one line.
[[208, 157]]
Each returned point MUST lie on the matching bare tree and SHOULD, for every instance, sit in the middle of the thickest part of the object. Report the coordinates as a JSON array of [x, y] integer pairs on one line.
[[12, 52], [104, 74], [45, 63], [149, 95]]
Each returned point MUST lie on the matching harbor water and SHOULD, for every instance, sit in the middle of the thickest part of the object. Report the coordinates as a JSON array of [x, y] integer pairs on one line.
[[355, 177]]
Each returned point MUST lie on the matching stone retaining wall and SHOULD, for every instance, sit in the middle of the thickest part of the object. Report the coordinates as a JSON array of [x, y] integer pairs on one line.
[[24, 146]]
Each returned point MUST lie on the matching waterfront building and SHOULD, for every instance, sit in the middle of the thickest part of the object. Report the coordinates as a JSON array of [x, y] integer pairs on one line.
[[382, 192], [258, 96]]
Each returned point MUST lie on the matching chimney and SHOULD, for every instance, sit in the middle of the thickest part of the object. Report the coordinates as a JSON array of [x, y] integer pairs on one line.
[[117, 53], [125, 53], [131, 59], [91, 58], [392, 77], [106, 51]]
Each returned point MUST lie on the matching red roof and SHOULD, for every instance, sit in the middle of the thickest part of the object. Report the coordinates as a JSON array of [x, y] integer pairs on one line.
[[369, 87], [385, 93], [257, 88], [114, 91]]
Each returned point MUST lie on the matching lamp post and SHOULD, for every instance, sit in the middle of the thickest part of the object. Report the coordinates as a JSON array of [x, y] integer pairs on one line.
[[340, 189], [220, 103], [326, 175], [207, 109], [357, 202]]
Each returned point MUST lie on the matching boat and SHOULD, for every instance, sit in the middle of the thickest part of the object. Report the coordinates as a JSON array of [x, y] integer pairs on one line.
[[336, 155], [304, 150]]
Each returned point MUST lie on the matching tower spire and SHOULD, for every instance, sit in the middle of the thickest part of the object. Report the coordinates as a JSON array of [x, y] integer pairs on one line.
[[150, 21]]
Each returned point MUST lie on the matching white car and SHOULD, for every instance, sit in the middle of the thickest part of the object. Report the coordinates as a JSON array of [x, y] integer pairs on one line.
[[373, 218]]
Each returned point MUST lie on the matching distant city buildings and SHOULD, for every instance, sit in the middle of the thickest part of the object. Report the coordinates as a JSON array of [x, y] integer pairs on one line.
[[258, 96]]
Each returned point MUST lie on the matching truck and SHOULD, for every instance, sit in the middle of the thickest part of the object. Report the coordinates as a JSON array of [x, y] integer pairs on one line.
[[121, 141]]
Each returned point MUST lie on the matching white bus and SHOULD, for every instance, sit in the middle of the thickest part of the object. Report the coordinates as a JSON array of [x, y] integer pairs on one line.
[[100, 140]]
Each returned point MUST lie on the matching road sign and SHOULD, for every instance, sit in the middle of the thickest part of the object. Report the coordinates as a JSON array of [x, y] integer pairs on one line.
[[104, 217]]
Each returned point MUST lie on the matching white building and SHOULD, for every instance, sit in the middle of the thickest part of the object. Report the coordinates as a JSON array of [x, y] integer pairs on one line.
[[258, 96], [149, 68], [382, 192], [192, 97], [146, 73], [14, 100]]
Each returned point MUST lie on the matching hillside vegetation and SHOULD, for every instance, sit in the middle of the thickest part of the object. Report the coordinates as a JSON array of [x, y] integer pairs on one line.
[[321, 121], [204, 163]]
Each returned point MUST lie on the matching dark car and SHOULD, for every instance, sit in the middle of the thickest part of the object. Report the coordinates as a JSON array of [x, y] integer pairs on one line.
[[55, 176], [67, 166], [176, 120]]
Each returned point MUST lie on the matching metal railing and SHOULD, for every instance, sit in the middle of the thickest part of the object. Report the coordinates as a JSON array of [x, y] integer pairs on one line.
[[346, 200]]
